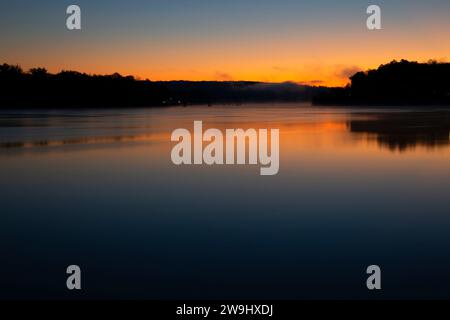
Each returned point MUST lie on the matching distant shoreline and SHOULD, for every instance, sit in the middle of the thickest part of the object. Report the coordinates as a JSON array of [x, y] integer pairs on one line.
[[395, 84]]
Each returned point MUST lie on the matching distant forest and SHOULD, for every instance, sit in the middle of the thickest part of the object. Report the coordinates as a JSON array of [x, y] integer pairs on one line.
[[396, 83], [39, 88]]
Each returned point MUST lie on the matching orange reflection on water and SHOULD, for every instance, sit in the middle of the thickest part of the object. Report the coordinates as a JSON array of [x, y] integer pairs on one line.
[[316, 137]]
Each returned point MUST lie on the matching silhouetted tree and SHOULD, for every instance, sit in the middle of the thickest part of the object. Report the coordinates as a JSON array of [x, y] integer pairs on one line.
[[38, 73], [10, 72]]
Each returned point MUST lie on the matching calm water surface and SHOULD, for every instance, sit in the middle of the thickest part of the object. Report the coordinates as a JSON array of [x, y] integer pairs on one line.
[[97, 188]]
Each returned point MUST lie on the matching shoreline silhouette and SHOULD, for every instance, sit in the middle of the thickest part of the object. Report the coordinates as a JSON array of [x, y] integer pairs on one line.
[[400, 83]]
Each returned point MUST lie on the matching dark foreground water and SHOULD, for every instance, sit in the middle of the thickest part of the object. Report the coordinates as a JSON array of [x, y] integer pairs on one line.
[[98, 189]]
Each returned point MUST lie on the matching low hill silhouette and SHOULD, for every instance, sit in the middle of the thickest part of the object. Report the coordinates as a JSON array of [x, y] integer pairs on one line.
[[395, 83], [39, 88]]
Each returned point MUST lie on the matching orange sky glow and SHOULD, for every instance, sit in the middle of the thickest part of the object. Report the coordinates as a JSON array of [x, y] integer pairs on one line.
[[315, 54]]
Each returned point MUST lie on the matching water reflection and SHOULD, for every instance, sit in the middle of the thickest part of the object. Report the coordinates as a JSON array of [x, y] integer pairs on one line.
[[87, 187], [405, 130], [395, 130], [74, 141]]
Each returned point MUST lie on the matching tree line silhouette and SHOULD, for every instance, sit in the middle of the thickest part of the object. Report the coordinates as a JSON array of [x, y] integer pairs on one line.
[[39, 88], [396, 83]]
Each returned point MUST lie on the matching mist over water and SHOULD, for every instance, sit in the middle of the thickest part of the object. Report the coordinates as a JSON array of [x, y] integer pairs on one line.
[[97, 188]]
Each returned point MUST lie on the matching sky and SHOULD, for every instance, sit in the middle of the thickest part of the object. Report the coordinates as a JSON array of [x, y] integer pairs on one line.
[[319, 42]]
